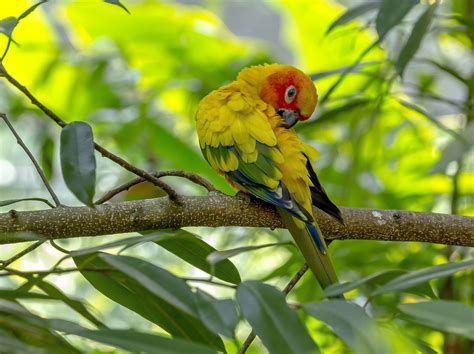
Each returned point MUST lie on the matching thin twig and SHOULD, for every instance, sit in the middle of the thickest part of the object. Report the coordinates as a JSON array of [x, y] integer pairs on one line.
[[7, 262], [32, 158], [118, 160], [291, 284], [126, 186]]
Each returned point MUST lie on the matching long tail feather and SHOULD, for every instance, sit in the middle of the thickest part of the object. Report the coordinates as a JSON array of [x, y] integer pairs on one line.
[[309, 239]]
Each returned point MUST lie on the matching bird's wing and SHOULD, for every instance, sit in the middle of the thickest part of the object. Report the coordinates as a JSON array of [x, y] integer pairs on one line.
[[237, 140]]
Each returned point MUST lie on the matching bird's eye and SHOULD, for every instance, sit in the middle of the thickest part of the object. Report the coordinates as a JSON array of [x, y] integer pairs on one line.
[[290, 94]]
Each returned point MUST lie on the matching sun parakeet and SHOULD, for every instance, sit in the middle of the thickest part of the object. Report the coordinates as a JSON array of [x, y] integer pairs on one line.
[[245, 133]]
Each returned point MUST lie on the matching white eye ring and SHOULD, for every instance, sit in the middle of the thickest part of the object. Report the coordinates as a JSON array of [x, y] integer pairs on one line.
[[290, 94]]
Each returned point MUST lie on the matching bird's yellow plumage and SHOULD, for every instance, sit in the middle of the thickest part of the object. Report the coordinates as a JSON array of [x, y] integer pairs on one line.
[[244, 130]]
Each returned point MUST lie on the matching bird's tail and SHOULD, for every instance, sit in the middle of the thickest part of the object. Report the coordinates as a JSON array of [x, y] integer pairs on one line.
[[311, 243]]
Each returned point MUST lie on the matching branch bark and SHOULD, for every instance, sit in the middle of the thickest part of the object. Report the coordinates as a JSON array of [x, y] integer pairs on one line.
[[218, 209]]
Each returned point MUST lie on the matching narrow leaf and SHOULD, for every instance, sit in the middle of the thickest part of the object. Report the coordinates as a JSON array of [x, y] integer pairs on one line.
[[339, 289], [431, 118], [126, 291], [134, 341], [129, 241], [78, 160], [118, 3], [351, 324], [446, 316], [353, 13], [219, 256], [30, 10], [276, 324], [192, 249], [414, 40], [391, 13], [344, 69], [424, 275], [220, 316], [158, 281]]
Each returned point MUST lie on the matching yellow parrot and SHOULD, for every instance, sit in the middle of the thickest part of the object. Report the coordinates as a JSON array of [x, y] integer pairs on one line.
[[245, 133]]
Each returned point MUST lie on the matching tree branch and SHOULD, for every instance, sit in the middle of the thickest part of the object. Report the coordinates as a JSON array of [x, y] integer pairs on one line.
[[218, 209]]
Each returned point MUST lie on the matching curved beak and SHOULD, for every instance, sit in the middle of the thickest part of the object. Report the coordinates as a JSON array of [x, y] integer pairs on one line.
[[289, 116]]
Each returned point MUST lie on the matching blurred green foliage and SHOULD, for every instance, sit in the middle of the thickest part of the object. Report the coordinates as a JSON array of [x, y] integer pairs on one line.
[[386, 140]]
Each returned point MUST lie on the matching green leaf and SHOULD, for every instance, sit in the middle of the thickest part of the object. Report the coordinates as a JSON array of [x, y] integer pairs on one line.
[[74, 304], [391, 13], [220, 316], [134, 341], [158, 281], [423, 112], [129, 241], [339, 289], [10, 344], [190, 248], [7, 25], [277, 325], [446, 316], [353, 13], [13, 201], [351, 324], [31, 330], [126, 291], [414, 40], [78, 160], [118, 3], [30, 10], [220, 256], [330, 114], [424, 275], [344, 69]]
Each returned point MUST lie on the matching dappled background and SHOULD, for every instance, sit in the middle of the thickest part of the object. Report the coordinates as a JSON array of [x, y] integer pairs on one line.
[[394, 132]]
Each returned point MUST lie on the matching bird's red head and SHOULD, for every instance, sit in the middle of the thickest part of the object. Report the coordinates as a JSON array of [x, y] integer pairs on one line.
[[289, 91]]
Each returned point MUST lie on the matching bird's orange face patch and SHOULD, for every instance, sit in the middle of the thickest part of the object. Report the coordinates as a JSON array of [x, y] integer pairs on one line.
[[291, 89]]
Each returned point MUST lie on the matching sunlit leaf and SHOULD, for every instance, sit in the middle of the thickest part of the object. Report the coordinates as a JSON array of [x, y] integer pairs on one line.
[[219, 256], [424, 275], [446, 316], [353, 13], [338, 112], [30, 10], [348, 68], [220, 316], [339, 289], [274, 322], [390, 14], [432, 119], [118, 3], [126, 291], [414, 40], [192, 249], [78, 160], [351, 324]]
